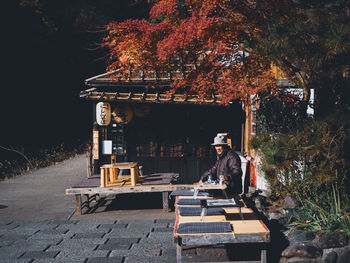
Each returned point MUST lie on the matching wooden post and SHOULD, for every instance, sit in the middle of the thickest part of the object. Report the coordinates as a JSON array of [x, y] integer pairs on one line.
[[87, 201], [103, 183], [134, 171], [178, 253], [165, 200], [78, 204], [247, 126], [88, 164], [263, 256], [114, 173], [113, 158]]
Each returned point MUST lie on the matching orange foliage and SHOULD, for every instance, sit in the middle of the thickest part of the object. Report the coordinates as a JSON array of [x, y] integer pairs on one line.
[[203, 39]]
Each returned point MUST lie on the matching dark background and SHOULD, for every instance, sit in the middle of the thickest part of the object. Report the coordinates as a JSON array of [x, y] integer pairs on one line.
[[50, 49]]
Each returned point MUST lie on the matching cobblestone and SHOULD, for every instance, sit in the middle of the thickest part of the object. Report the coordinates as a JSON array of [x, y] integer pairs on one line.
[[55, 260], [105, 260], [70, 255], [105, 241], [16, 260], [39, 254]]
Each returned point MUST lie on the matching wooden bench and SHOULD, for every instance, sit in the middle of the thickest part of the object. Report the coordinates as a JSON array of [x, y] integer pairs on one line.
[[89, 192]]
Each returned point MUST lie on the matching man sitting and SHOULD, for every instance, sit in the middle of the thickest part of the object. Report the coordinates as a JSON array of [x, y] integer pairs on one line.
[[227, 166]]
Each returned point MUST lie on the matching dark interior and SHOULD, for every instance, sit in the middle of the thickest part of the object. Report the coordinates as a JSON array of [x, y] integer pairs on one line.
[[175, 137]]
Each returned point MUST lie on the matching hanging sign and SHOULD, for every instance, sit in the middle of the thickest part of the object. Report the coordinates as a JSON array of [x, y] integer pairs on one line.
[[95, 145], [103, 113]]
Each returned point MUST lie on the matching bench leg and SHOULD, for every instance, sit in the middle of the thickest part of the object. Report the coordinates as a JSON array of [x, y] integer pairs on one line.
[[263, 256], [165, 199], [87, 201], [78, 204], [178, 253]]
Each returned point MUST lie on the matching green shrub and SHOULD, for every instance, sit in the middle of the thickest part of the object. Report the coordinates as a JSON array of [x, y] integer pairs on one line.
[[307, 159], [327, 215], [315, 154]]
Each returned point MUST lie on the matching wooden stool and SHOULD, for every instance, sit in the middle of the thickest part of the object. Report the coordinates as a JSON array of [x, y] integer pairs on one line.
[[109, 173]]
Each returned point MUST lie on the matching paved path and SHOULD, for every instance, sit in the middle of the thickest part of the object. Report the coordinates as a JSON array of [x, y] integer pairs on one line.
[[37, 223], [40, 195]]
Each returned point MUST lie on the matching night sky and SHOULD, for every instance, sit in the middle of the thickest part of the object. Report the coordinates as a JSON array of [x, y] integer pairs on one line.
[[45, 65]]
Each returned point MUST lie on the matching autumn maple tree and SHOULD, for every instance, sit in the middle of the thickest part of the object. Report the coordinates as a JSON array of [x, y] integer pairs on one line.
[[206, 42]]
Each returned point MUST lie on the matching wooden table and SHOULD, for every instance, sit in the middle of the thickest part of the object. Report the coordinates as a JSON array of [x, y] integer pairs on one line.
[[249, 230]]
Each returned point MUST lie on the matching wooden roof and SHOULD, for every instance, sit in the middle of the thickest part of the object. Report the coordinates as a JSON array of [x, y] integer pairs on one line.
[[139, 88], [134, 78], [146, 97]]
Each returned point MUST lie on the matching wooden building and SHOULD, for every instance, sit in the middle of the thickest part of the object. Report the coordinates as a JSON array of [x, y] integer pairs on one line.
[[141, 123]]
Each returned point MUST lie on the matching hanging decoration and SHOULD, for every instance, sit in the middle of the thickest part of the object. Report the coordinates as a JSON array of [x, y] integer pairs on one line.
[[122, 114]]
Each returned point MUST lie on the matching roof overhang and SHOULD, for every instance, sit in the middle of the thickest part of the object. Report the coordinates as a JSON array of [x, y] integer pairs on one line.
[[147, 97], [140, 88]]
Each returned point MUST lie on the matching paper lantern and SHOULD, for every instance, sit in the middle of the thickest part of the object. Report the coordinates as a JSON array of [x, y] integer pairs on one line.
[[103, 113], [122, 114]]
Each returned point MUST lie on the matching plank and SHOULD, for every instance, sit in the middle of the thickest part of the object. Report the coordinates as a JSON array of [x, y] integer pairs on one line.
[[205, 186], [127, 189]]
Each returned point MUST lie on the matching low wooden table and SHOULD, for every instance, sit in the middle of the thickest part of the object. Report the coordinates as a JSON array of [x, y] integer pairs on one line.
[[249, 230]]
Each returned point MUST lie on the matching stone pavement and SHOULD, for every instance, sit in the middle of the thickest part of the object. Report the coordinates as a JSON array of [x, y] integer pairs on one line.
[[87, 241], [37, 223]]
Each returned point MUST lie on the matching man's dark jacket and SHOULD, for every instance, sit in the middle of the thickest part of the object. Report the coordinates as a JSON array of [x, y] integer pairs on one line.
[[228, 164]]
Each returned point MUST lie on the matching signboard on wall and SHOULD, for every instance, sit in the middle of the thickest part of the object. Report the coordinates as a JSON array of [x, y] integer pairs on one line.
[[107, 147], [95, 145]]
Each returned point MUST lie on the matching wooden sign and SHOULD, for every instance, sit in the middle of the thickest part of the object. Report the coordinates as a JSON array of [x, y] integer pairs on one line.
[[103, 113], [95, 145]]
